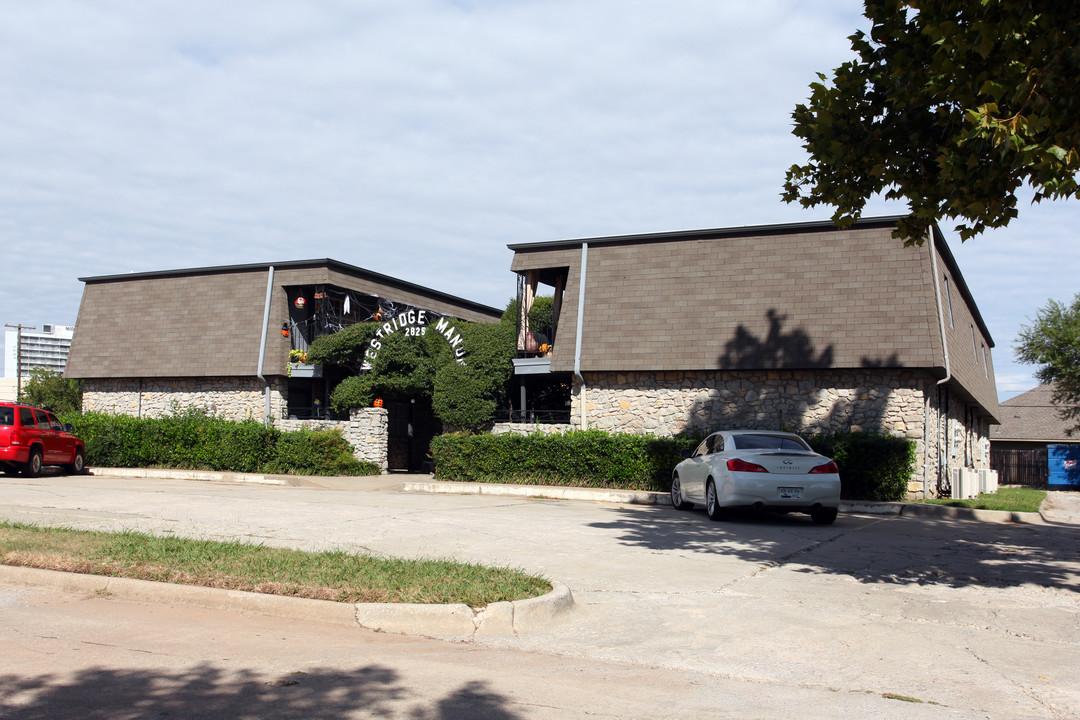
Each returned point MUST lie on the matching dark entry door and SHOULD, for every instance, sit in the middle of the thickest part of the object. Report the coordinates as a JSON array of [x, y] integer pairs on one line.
[[411, 425]]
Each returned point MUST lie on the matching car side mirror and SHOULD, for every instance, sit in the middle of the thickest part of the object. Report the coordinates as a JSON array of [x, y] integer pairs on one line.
[[685, 453], [68, 427]]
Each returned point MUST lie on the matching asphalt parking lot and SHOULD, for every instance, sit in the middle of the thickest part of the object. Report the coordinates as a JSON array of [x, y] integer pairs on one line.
[[863, 618]]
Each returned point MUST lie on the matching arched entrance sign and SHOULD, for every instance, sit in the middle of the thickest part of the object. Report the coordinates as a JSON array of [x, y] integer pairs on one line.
[[416, 323]]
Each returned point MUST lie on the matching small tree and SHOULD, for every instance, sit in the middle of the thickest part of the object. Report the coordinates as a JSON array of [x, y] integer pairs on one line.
[[463, 395], [50, 390], [1052, 341]]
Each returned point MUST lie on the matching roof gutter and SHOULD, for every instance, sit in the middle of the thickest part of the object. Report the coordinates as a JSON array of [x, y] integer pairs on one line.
[[948, 370], [940, 309], [262, 345], [580, 328]]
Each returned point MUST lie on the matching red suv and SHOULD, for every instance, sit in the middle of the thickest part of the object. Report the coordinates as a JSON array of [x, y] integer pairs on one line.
[[31, 437]]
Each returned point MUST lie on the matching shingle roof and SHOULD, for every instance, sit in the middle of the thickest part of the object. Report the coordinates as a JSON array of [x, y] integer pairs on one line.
[[207, 322], [1031, 416], [800, 296]]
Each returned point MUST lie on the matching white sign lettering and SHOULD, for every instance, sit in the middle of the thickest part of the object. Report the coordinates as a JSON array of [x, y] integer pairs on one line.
[[414, 323]]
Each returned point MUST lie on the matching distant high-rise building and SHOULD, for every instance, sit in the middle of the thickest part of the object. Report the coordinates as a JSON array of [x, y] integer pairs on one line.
[[46, 348]]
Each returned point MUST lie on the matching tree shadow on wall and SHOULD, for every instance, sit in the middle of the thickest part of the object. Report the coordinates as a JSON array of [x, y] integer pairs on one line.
[[776, 351], [732, 405], [210, 692]]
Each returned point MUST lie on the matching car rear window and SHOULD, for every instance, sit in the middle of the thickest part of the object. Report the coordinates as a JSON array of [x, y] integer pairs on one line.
[[768, 442], [26, 417], [7, 415]]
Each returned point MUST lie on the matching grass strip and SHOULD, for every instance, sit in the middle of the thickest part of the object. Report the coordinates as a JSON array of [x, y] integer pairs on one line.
[[332, 575], [1013, 499]]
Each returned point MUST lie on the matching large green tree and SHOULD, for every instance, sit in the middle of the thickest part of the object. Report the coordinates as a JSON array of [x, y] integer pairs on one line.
[[951, 105], [50, 390], [1052, 341]]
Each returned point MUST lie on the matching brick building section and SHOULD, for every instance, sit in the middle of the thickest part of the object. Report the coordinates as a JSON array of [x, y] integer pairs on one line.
[[733, 302]]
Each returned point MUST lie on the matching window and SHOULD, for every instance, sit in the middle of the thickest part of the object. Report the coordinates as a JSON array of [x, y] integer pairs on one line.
[[974, 345], [710, 445], [7, 416], [768, 442], [948, 299], [26, 417], [986, 363], [702, 448]]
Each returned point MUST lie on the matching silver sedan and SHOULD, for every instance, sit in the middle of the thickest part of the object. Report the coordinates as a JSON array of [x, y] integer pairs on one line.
[[759, 469]]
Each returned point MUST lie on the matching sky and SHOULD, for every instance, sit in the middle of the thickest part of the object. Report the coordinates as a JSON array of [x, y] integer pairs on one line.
[[418, 138]]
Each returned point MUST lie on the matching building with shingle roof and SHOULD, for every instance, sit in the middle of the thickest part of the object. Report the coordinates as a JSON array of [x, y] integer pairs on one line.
[[1031, 418], [219, 338], [804, 326], [1020, 447]]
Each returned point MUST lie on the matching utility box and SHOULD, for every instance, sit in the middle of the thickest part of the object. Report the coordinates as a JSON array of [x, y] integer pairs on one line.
[[965, 484]]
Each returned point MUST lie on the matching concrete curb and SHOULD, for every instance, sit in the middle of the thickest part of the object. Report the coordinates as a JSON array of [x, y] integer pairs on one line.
[[549, 492], [204, 475], [458, 622], [924, 510], [628, 497], [637, 497]]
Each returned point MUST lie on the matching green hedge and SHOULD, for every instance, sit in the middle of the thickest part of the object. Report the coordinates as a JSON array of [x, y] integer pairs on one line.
[[872, 467], [584, 459], [196, 441]]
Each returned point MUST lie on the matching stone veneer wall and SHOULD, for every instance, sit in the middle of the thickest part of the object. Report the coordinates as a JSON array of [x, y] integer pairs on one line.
[[955, 439], [232, 398], [366, 430], [814, 401], [947, 433], [668, 403], [528, 428]]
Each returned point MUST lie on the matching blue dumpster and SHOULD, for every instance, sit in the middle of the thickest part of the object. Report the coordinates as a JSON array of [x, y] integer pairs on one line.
[[1064, 466]]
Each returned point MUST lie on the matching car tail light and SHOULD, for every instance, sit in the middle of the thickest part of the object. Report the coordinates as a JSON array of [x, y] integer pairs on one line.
[[829, 467], [737, 465]]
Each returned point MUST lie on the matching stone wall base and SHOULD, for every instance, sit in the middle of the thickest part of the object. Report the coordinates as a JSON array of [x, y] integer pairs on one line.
[[528, 428], [231, 398]]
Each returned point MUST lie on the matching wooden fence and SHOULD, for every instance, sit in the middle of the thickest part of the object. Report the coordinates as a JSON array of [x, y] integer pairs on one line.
[[1020, 467]]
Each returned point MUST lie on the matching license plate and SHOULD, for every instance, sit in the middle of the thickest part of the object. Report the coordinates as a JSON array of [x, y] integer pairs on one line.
[[790, 493]]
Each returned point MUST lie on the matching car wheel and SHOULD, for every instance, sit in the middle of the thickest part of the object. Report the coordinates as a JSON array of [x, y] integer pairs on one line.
[[77, 465], [823, 516], [32, 467], [677, 496], [712, 505]]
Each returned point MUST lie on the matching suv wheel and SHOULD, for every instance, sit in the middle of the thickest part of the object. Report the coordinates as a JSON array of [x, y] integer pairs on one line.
[[77, 465], [32, 467]]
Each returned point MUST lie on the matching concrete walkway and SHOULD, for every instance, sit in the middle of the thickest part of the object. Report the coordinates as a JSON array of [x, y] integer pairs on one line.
[[979, 617]]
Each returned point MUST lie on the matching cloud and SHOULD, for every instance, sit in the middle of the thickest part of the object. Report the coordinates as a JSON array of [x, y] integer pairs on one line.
[[414, 138]]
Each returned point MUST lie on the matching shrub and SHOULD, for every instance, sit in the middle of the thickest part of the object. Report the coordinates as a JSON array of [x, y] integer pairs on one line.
[[872, 467], [581, 458], [194, 440], [315, 452]]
